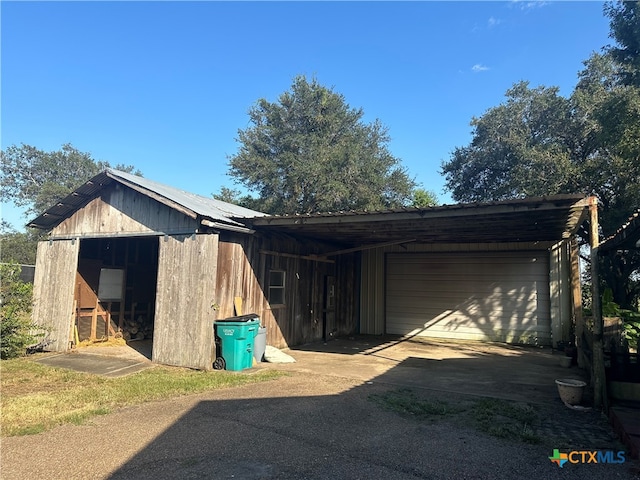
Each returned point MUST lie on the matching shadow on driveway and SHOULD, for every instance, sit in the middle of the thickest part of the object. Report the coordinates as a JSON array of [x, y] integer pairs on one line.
[[324, 420], [292, 434]]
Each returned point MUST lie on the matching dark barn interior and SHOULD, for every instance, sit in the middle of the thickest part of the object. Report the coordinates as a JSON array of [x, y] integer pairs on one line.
[[116, 288]]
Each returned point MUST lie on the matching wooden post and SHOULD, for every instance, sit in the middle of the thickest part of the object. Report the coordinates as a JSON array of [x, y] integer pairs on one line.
[[73, 324], [576, 294], [598, 377], [94, 320]]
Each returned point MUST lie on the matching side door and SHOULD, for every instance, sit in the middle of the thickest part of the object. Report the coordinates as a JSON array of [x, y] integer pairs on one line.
[[329, 310]]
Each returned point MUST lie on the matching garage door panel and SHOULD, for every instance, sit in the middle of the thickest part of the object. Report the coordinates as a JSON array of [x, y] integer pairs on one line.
[[466, 328], [479, 258], [465, 290], [475, 309], [451, 321], [492, 296], [509, 270], [459, 329]]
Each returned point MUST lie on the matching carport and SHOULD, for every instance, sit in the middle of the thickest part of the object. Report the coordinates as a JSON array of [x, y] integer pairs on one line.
[[505, 271], [500, 271]]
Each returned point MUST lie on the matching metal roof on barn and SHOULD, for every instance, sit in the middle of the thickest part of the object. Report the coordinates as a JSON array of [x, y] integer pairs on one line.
[[215, 212], [542, 219]]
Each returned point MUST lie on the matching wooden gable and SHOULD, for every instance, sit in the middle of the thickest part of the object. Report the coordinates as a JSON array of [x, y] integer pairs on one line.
[[119, 210]]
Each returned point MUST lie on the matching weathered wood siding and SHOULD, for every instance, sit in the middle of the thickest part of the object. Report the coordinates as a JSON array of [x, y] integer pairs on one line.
[[53, 291], [119, 211], [243, 272], [186, 294]]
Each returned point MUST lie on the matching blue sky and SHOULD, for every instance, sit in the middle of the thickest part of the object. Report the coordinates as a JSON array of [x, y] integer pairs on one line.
[[165, 86]]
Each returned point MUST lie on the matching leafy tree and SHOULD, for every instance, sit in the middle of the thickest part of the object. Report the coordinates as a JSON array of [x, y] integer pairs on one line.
[[18, 247], [310, 152], [36, 179], [625, 30], [16, 326], [424, 198], [232, 195], [518, 149]]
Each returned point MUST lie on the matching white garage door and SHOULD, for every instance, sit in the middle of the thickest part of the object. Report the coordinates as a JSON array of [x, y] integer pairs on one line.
[[480, 296]]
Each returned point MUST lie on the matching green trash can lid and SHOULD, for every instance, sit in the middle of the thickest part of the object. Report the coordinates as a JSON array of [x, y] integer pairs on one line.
[[240, 318]]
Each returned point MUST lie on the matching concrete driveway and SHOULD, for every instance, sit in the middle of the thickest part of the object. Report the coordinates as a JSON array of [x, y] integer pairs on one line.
[[471, 368], [320, 422]]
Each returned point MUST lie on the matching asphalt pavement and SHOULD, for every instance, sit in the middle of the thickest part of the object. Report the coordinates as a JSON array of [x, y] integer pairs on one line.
[[320, 422]]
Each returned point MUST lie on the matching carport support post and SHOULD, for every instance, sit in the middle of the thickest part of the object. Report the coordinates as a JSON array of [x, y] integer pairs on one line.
[[578, 314], [599, 380]]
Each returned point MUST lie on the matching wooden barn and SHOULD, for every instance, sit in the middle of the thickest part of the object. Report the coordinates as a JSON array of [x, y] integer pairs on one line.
[[129, 256]]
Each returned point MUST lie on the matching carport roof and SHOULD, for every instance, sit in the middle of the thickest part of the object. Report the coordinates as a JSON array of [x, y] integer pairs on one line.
[[627, 237], [541, 219]]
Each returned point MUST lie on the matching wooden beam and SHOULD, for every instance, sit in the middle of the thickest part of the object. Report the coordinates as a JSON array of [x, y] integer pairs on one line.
[[367, 247], [313, 258], [226, 226]]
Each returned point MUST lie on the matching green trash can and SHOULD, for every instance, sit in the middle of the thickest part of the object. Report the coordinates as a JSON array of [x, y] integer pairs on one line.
[[235, 338]]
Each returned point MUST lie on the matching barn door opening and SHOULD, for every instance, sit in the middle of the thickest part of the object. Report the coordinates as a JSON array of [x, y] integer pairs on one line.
[[116, 289], [329, 310]]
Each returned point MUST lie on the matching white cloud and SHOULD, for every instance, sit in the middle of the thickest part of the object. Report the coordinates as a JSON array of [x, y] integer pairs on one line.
[[478, 67], [528, 5], [493, 22]]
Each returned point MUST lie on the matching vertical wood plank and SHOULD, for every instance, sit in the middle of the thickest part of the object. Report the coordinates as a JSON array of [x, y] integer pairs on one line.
[[53, 290], [186, 286]]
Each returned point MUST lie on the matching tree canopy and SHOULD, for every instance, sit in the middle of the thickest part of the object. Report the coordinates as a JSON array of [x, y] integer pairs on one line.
[[311, 152], [18, 247], [424, 198], [539, 143], [625, 30], [36, 179], [518, 149]]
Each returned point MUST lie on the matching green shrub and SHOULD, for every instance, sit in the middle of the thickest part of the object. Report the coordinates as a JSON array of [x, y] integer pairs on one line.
[[631, 326], [630, 319], [16, 327]]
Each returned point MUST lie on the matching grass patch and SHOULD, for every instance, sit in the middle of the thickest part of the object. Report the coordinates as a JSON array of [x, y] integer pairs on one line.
[[37, 397], [405, 402], [504, 419], [498, 418]]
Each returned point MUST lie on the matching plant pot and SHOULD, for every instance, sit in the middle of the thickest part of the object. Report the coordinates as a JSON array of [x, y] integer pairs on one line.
[[570, 390]]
